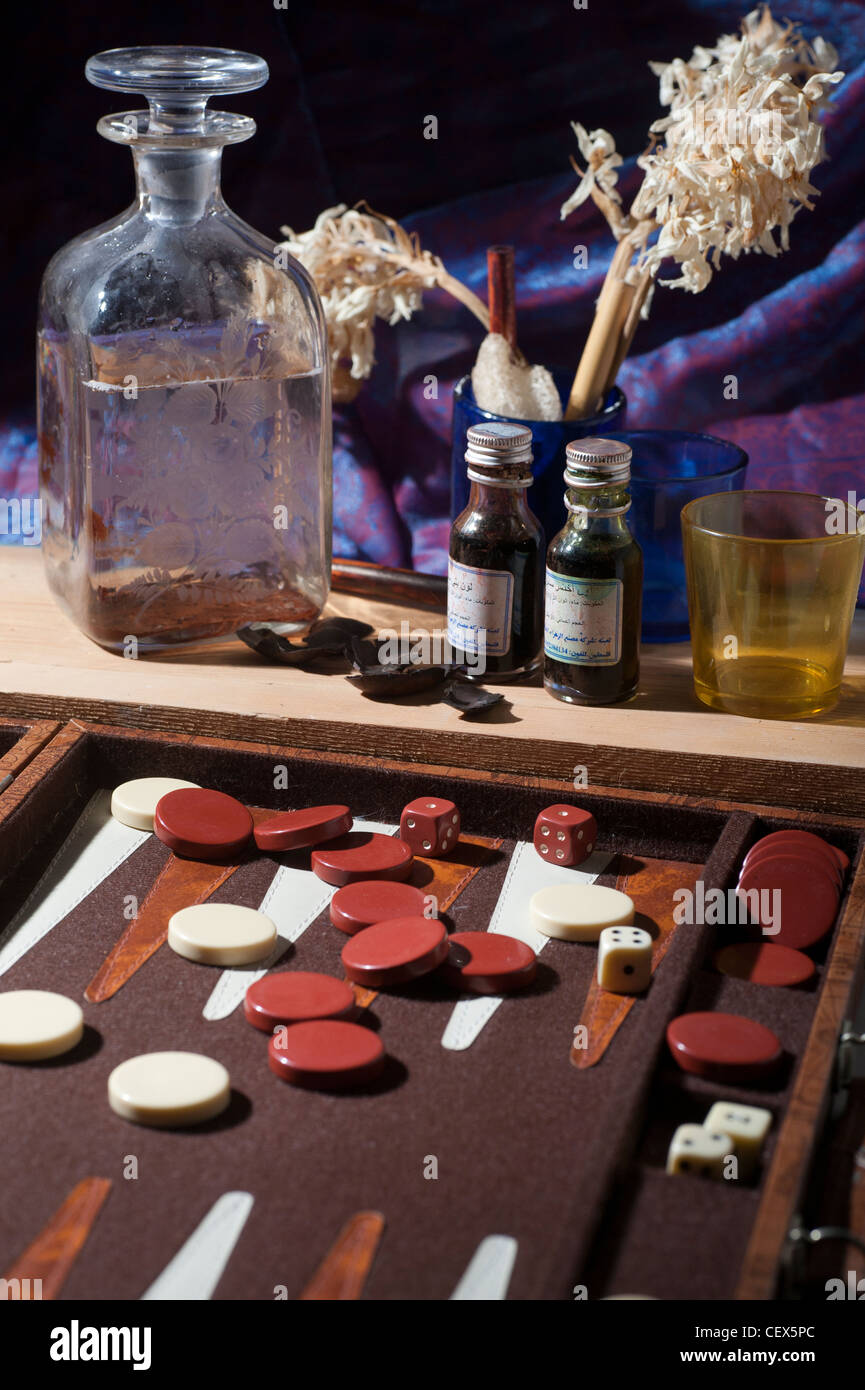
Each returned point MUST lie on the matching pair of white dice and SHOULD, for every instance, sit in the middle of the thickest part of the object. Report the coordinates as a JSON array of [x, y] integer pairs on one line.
[[624, 959], [728, 1131]]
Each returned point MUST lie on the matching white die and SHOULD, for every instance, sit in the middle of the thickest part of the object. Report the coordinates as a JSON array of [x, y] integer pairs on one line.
[[624, 959], [698, 1150], [747, 1126]]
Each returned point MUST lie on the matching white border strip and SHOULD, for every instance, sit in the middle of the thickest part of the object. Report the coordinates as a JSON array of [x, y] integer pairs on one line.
[[96, 846]]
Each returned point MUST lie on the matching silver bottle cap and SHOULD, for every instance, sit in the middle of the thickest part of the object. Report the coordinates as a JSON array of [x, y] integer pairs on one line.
[[597, 463], [499, 453]]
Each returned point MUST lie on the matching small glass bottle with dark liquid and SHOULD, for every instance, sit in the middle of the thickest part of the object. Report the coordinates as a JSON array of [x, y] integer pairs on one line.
[[594, 582], [496, 564]]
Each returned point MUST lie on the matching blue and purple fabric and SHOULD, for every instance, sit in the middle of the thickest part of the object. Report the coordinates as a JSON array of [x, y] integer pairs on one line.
[[791, 330]]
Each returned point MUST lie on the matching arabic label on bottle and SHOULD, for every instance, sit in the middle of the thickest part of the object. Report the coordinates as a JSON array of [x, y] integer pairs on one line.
[[583, 620], [480, 609]]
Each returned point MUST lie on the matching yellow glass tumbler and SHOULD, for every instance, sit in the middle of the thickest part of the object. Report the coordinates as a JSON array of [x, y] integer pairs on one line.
[[772, 581]]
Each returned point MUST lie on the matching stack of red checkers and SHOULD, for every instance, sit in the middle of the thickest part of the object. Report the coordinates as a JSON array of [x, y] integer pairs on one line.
[[791, 881], [372, 900], [327, 1054], [390, 953], [299, 829], [804, 843], [295, 996], [485, 962], [723, 1047], [361, 855], [201, 824]]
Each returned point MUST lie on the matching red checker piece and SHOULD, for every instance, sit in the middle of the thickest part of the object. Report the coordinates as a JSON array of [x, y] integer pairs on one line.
[[294, 996], [390, 953], [796, 842], [806, 837], [372, 900], [297, 829], [326, 1054], [807, 901], [360, 855], [723, 1047], [565, 835], [817, 863], [764, 963], [488, 962], [198, 823]]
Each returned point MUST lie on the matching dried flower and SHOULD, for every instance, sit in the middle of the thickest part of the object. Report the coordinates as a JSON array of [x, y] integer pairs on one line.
[[726, 171], [729, 168], [602, 162], [366, 266]]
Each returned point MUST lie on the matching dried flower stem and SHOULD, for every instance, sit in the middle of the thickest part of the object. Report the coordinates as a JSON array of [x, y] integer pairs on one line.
[[599, 354], [726, 169], [602, 354], [626, 337], [454, 287]]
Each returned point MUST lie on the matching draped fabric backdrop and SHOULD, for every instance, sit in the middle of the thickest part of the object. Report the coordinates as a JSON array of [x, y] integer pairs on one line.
[[343, 118]]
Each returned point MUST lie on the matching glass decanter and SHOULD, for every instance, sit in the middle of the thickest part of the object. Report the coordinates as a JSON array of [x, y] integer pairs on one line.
[[184, 388]]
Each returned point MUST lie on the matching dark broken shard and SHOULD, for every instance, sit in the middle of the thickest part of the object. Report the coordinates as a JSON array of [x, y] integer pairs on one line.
[[265, 641], [272, 646], [469, 698], [392, 682], [328, 632], [347, 639], [310, 656], [362, 655]]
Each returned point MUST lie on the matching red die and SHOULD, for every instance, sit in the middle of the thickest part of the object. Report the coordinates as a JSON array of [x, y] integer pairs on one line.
[[430, 825], [565, 835]]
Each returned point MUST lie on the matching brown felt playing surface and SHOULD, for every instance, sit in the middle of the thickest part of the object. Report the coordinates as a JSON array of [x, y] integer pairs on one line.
[[526, 1144]]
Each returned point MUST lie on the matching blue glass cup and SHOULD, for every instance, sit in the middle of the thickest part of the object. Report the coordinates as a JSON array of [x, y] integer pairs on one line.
[[549, 440], [670, 468]]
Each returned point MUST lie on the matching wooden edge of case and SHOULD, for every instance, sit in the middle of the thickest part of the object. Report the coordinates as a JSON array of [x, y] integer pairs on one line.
[[830, 790], [25, 748], [786, 1181]]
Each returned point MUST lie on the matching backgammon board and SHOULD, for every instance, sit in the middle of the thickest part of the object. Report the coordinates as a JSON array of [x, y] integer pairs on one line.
[[493, 1157]]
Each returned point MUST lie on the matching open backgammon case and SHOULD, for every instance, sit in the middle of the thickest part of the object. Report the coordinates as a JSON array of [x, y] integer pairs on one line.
[[509, 1132]]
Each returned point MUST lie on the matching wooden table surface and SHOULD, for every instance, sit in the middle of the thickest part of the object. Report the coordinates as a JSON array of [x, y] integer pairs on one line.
[[663, 740]]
